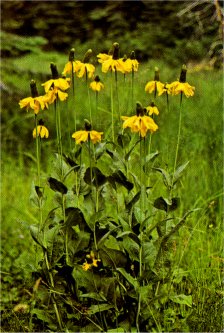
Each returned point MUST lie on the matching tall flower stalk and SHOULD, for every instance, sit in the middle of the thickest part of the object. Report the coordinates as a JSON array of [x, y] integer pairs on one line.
[[180, 87]]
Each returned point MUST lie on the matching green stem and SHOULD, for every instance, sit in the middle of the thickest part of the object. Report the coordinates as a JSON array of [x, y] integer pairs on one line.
[[90, 108], [37, 152], [58, 125], [73, 91], [132, 88], [117, 95], [178, 142], [112, 105], [53, 294]]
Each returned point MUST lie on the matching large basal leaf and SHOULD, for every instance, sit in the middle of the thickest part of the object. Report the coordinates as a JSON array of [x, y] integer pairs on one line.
[[112, 258], [96, 178], [120, 178], [74, 216], [182, 299], [165, 204], [57, 186], [135, 199], [129, 278], [37, 235]]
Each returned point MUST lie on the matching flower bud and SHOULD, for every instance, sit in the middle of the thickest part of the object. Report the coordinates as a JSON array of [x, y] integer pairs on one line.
[[115, 51], [54, 71], [33, 88], [87, 56], [156, 77], [124, 58], [72, 54], [183, 74]]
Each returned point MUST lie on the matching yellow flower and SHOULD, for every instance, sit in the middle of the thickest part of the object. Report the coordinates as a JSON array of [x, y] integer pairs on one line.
[[181, 86], [152, 109], [96, 85], [83, 136], [41, 131], [84, 69], [86, 266], [90, 257], [53, 93], [35, 103], [152, 86], [111, 62], [113, 65], [21, 308], [69, 65], [140, 124], [177, 87], [130, 64], [60, 83]]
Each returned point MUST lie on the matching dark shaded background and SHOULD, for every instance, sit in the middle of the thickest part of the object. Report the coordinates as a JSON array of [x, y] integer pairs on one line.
[[154, 29]]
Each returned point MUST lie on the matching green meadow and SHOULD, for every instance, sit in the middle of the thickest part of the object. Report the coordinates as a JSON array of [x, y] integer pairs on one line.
[[192, 267]]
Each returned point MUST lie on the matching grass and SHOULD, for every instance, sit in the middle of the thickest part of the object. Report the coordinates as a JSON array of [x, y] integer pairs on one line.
[[198, 247]]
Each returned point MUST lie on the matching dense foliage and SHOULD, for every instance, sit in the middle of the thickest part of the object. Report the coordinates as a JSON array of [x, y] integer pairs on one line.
[[154, 29]]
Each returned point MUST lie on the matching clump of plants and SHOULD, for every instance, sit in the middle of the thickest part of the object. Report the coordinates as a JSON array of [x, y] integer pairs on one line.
[[106, 248]]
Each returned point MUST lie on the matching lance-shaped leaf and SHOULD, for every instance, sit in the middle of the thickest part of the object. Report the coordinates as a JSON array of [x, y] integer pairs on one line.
[[98, 177], [166, 204], [178, 173], [130, 151], [129, 278], [135, 199], [120, 178], [37, 236], [57, 186], [123, 139], [166, 177]]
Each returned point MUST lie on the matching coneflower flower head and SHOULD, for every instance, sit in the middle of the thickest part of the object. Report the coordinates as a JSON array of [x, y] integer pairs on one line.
[[33, 89], [54, 71], [183, 74], [115, 54], [87, 56], [181, 86], [87, 125], [156, 76], [71, 55]]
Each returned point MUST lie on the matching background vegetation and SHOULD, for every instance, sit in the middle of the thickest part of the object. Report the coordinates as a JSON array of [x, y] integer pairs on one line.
[[164, 35]]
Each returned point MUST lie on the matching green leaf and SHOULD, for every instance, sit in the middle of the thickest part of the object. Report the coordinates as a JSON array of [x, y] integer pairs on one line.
[[98, 177], [120, 178], [99, 308], [39, 191], [135, 199], [114, 330], [150, 157], [97, 296], [131, 235], [130, 151], [37, 236], [166, 204], [182, 299], [112, 257], [166, 177], [179, 171], [129, 278], [57, 186], [123, 139]]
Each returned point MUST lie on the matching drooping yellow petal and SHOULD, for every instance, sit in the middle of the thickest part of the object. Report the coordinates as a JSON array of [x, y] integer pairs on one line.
[[95, 136], [41, 131], [80, 136]]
